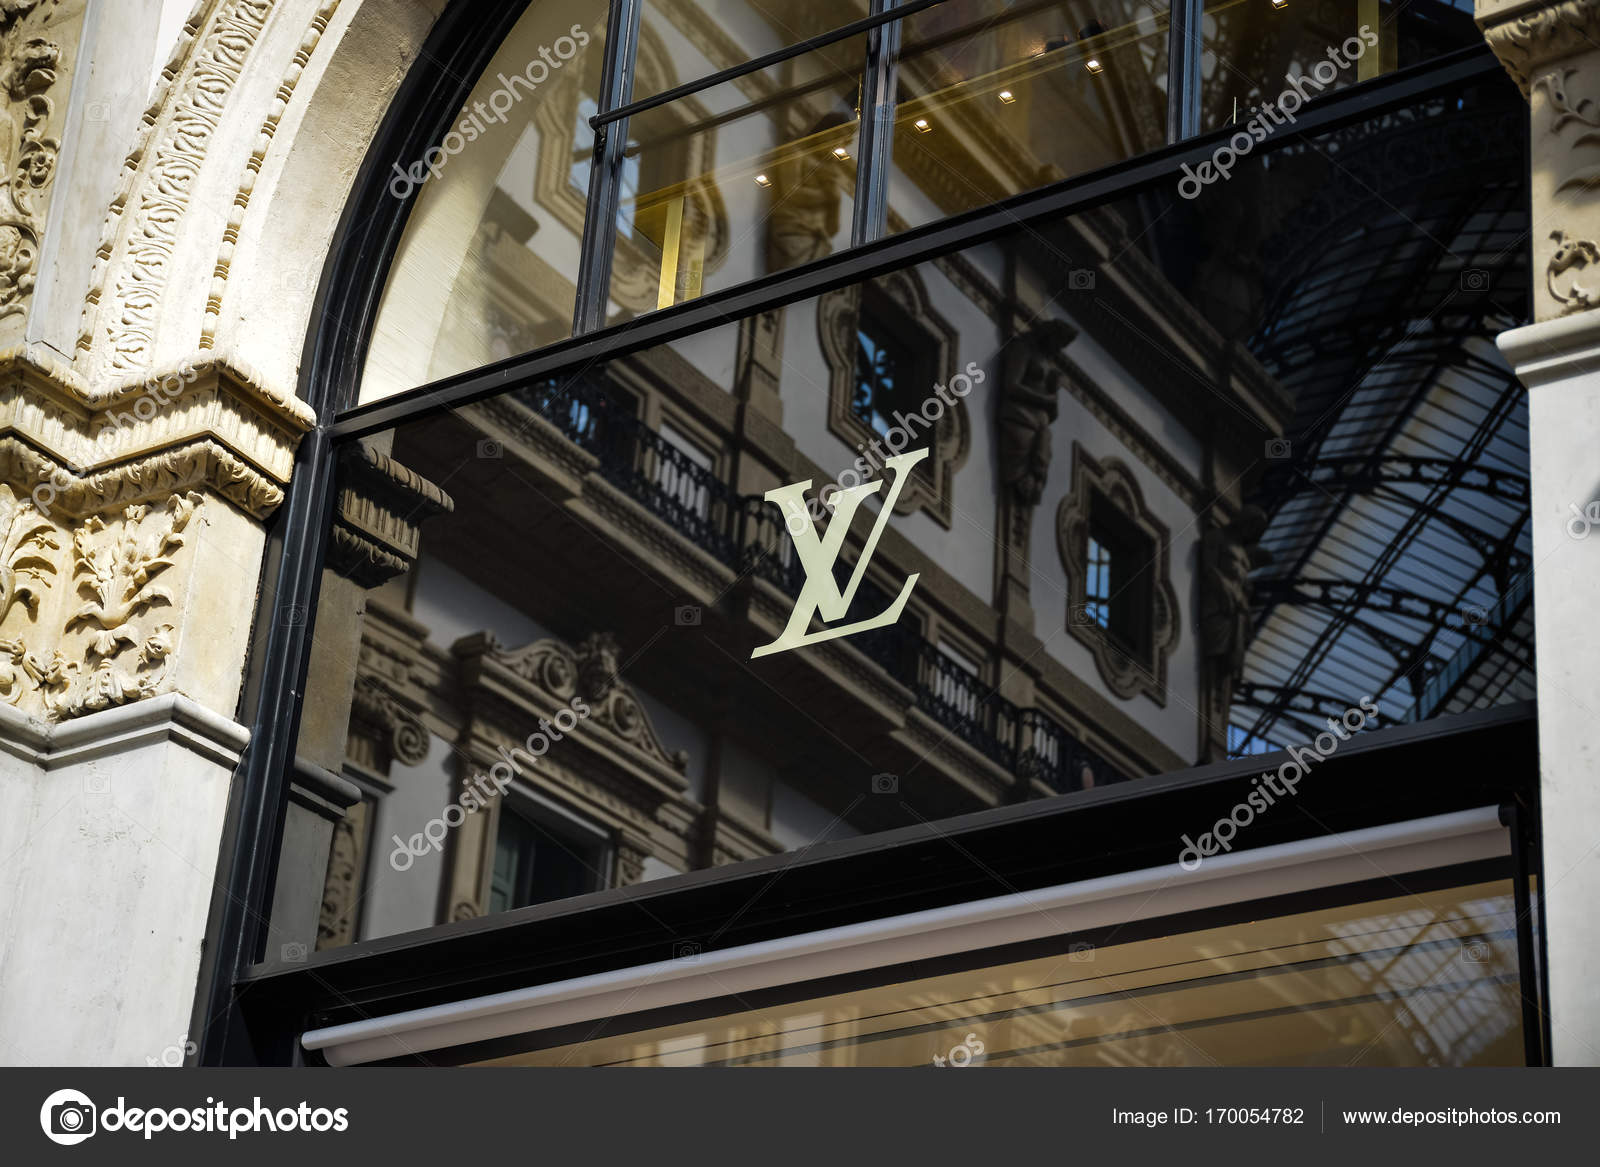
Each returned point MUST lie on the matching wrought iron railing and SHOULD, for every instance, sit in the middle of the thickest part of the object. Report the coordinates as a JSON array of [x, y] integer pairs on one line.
[[749, 535]]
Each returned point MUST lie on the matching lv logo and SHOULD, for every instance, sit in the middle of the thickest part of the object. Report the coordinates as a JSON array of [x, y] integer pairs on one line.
[[820, 594]]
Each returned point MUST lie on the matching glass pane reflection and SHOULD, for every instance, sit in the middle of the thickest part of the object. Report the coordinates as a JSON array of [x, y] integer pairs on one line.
[[1418, 980]]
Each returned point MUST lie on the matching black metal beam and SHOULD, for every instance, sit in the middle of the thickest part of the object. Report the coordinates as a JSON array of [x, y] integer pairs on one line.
[[1362, 473]]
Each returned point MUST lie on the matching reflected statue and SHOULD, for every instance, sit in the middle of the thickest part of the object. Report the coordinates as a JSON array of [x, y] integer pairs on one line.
[[1028, 407], [1228, 555], [805, 205]]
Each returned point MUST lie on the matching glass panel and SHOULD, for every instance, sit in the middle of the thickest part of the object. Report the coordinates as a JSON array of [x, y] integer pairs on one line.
[[1251, 400], [488, 262], [1418, 980], [727, 189], [1263, 51], [996, 98]]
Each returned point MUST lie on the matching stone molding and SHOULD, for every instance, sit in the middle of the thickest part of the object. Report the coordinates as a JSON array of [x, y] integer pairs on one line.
[[172, 717], [208, 423], [377, 527]]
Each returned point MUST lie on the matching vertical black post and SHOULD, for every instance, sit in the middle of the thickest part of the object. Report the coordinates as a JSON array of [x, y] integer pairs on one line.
[[876, 147], [1184, 50], [605, 172], [1535, 1052]]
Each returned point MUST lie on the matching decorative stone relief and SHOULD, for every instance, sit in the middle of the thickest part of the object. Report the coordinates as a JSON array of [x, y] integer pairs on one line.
[[247, 181], [590, 672], [341, 893], [30, 66], [1228, 554], [1551, 51], [111, 649], [130, 309], [378, 713], [1127, 672], [101, 491], [1029, 389]]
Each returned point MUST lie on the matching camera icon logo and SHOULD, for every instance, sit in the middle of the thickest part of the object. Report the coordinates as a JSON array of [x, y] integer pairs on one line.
[[686, 950], [1279, 448], [1476, 952], [1080, 950], [1474, 279], [885, 784], [1080, 615], [67, 1117], [293, 952], [1081, 279], [489, 448], [686, 616]]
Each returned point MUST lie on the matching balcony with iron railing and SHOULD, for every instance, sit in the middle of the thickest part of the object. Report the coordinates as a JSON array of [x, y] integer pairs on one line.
[[749, 536]]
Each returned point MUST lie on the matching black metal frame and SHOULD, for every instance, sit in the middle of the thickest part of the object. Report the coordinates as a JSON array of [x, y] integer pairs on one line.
[[245, 1013]]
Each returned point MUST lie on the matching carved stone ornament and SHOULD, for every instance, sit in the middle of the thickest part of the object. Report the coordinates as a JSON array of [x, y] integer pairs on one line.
[[30, 65], [1228, 554], [931, 487], [1127, 675], [376, 711], [563, 674], [382, 506], [1029, 389], [1551, 51], [101, 491], [1527, 36]]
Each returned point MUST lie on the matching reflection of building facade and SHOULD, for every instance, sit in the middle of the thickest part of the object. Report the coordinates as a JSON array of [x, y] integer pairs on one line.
[[1200, 476]]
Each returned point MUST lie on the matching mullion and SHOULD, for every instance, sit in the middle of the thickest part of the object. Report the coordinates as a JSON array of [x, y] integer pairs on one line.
[[605, 169], [1184, 50], [875, 147]]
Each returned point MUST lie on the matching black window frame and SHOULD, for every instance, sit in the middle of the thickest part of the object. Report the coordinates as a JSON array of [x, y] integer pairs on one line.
[[428, 101]]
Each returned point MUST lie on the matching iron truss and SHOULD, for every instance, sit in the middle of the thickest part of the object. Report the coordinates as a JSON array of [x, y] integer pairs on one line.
[[1398, 504]]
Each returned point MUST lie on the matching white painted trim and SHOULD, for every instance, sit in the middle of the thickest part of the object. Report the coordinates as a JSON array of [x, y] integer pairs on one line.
[[1305, 865]]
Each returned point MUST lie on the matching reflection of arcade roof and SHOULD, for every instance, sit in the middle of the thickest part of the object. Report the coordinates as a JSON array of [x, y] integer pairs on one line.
[[1399, 517]]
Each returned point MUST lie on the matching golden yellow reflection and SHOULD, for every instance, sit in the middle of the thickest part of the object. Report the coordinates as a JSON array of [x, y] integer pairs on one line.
[[1417, 980]]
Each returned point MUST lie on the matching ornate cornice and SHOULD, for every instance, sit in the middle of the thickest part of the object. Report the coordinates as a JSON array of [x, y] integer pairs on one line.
[[382, 506], [1528, 36], [206, 423], [247, 181]]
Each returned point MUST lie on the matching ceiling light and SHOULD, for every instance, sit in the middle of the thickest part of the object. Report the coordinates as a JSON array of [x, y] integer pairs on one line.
[[922, 125], [1007, 96], [1093, 65], [1280, 3], [841, 153], [763, 180]]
